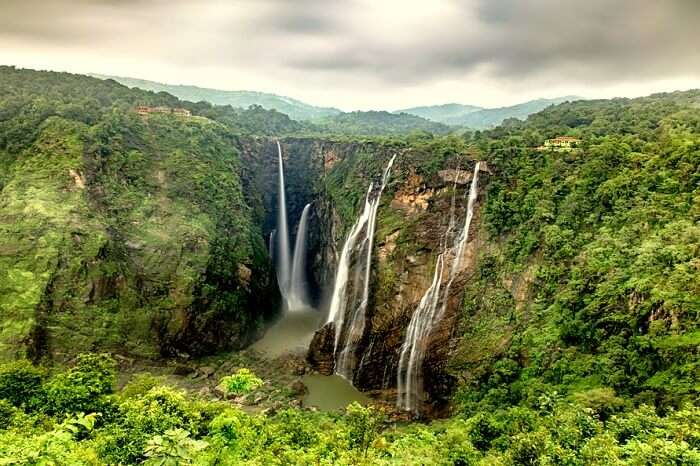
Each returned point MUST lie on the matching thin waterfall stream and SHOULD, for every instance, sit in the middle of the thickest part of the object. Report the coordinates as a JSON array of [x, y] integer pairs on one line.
[[298, 295], [282, 234], [429, 311]]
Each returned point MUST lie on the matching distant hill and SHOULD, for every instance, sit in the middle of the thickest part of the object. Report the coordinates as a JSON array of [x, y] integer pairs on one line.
[[490, 117], [378, 123], [441, 113], [295, 109], [483, 118]]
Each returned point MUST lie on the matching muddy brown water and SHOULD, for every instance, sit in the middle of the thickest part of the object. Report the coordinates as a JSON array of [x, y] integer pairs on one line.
[[292, 334]]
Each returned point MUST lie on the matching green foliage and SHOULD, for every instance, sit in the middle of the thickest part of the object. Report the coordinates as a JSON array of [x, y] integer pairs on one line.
[[82, 387], [378, 123], [7, 411], [140, 384], [244, 381], [363, 426], [121, 232], [592, 280], [174, 447], [167, 427], [601, 401], [20, 382]]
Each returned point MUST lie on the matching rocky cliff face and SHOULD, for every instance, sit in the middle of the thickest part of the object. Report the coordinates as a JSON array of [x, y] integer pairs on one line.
[[410, 224], [134, 238], [162, 247]]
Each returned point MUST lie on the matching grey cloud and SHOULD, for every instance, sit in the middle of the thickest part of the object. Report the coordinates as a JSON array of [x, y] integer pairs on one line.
[[595, 40], [598, 41]]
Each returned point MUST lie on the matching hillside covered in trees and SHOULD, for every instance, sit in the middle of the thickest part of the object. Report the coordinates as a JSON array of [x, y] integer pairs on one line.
[[238, 99], [129, 242]]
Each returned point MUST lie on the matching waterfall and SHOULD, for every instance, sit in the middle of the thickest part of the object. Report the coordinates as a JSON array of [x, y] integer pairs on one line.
[[282, 250], [429, 312], [298, 296], [349, 331], [271, 244]]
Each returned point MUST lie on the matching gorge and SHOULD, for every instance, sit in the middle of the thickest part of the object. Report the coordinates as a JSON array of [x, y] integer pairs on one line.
[[168, 280]]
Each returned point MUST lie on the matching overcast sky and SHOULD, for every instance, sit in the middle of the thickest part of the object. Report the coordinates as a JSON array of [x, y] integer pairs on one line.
[[362, 54]]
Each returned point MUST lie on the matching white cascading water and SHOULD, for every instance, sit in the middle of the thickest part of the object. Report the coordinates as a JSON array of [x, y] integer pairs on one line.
[[271, 244], [347, 336], [291, 273], [297, 297], [429, 312], [282, 234]]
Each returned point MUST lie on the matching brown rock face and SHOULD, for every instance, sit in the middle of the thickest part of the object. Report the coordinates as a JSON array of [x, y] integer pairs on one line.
[[413, 196], [452, 175], [402, 272], [320, 354]]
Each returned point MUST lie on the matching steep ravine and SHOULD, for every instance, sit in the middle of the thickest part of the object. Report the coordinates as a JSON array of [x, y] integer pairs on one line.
[[413, 214]]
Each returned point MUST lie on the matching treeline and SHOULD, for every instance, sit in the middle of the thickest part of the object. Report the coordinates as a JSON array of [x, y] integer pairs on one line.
[[27, 98]]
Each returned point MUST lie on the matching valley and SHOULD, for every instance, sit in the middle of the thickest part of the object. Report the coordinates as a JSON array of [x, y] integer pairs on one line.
[[256, 292]]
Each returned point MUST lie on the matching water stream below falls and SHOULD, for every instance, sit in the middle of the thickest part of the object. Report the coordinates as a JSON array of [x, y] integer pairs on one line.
[[292, 335]]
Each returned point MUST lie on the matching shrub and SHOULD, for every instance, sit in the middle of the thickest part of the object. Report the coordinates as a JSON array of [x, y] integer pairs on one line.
[[173, 448], [20, 382], [82, 387], [7, 411], [364, 424], [602, 401], [241, 383], [140, 384], [140, 418]]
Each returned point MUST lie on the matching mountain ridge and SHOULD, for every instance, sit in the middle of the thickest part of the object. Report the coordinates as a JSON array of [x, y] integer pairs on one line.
[[474, 117], [295, 109]]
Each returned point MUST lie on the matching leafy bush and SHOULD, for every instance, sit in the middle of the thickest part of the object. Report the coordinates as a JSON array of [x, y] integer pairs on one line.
[[601, 400], [242, 382], [7, 411], [363, 424], [142, 417], [20, 382], [173, 448], [82, 387]]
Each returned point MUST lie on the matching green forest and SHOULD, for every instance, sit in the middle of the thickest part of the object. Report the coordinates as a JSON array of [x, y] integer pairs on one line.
[[132, 246]]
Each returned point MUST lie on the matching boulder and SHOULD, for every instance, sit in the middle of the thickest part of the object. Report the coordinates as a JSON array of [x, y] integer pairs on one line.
[[298, 388], [320, 355]]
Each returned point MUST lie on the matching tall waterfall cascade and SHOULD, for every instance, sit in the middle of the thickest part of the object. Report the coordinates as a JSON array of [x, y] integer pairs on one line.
[[291, 270], [350, 297], [432, 307]]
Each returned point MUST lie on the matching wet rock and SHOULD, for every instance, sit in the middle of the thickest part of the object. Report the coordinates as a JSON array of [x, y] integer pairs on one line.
[[220, 391], [272, 410], [455, 176], [298, 388], [207, 371], [205, 392], [123, 361], [182, 369], [182, 355], [300, 370], [320, 355]]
